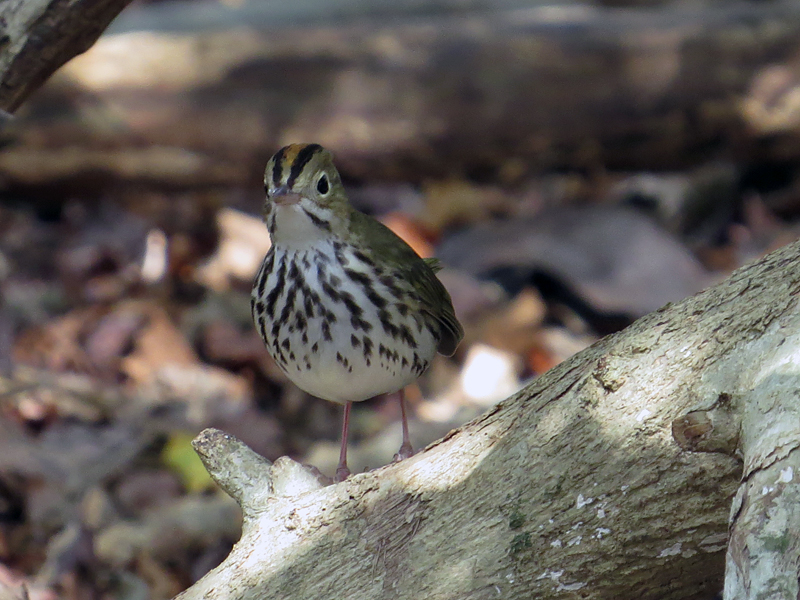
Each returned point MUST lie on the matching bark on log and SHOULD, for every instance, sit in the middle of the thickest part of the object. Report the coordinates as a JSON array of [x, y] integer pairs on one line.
[[38, 36], [491, 95], [611, 476]]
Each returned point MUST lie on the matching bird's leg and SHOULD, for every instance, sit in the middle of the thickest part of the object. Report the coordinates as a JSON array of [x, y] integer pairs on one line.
[[342, 472], [405, 448]]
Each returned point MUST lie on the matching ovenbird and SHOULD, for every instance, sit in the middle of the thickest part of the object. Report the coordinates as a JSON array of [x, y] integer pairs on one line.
[[346, 308]]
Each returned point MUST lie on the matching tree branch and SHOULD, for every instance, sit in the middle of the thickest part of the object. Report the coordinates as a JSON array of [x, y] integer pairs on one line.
[[38, 36], [575, 484]]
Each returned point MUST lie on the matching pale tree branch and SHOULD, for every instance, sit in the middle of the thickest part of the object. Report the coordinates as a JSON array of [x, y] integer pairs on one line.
[[764, 546], [610, 476]]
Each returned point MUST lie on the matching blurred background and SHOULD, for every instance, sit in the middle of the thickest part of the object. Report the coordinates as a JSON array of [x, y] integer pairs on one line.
[[574, 165]]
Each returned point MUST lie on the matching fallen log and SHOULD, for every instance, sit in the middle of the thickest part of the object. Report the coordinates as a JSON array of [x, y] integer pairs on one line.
[[618, 474]]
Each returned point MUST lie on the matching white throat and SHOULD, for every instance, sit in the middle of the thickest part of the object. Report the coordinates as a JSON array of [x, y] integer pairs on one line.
[[294, 229]]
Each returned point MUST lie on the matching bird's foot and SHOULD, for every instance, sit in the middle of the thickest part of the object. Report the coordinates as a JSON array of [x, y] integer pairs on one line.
[[406, 451], [342, 473], [319, 475]]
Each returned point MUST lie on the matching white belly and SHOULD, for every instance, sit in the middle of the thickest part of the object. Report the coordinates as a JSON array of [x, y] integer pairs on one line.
[[341, 346]]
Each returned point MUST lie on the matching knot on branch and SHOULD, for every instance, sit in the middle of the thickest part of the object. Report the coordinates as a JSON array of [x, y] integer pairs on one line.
[[711, 430]]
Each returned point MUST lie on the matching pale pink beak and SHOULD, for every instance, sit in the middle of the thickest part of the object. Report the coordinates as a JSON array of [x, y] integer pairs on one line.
[[283, 196]]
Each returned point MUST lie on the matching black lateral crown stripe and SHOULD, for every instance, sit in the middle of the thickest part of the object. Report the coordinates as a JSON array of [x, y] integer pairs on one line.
[[300, 161], [277, 168]]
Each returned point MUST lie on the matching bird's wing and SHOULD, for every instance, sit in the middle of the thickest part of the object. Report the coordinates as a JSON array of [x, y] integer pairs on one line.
[[417, 275], [437, 303]]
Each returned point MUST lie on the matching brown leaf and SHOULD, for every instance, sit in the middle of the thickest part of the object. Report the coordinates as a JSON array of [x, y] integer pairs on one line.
[[159, 343], [412, 232]]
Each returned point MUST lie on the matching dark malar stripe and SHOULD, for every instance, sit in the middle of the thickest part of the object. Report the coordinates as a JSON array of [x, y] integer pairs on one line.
[[277, 168], [321, 223], [301, 161]]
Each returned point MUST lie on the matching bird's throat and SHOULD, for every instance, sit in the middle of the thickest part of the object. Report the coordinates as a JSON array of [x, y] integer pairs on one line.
[[295, 227]]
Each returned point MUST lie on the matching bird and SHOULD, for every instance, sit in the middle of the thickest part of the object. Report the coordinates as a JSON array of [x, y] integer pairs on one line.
[[346, 308]]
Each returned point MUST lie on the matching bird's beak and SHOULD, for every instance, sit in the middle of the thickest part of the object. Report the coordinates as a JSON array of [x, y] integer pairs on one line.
[[283, 196]]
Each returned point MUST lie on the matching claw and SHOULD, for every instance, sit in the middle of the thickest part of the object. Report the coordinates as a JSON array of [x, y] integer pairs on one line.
[[342, 473], [406, 451]]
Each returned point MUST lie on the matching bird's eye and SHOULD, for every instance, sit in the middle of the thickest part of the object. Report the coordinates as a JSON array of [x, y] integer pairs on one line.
[[323, 187]]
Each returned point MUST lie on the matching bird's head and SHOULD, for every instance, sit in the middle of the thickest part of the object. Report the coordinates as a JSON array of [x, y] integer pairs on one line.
[[306, 200]]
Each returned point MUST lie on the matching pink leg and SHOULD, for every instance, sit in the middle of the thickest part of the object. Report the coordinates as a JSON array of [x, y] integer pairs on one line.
[[342, 472], [405, 448]]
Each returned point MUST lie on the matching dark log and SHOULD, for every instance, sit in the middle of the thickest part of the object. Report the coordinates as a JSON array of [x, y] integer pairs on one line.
[[38, 36], [487, 95]]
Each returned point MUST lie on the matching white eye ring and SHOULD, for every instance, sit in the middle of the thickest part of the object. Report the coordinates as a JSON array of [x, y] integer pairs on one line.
[[323, 187]]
